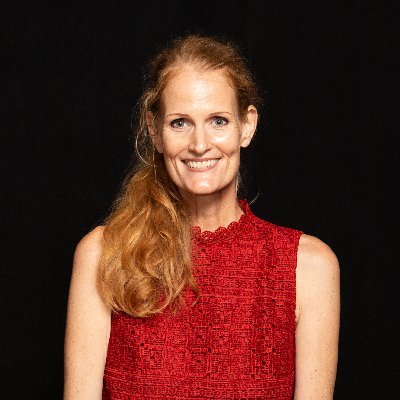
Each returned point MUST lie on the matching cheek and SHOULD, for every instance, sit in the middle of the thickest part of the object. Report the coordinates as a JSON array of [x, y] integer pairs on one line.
[[171, 152], [229, 142], [172, 145], [171, 166]]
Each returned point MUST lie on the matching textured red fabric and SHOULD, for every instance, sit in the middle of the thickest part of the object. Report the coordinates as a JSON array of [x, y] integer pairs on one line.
[[237, 342]]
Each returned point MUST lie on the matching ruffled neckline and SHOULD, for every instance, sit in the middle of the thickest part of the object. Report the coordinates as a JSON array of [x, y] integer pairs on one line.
[[223, 232]]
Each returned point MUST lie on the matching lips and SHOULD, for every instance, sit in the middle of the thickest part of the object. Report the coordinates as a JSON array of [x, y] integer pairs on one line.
[[201, 164]]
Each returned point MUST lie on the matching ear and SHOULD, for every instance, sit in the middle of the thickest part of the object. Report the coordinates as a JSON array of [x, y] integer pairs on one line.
[[249, 126], [152, 131]]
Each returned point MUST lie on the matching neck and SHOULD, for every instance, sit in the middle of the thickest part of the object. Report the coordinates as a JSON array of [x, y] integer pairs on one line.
[[209, 212]]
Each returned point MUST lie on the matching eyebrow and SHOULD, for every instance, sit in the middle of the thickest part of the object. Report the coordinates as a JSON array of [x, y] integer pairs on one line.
[[177, 115], [187, 115]]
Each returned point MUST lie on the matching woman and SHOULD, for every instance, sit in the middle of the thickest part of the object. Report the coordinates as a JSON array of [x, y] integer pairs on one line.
[[184, 293]]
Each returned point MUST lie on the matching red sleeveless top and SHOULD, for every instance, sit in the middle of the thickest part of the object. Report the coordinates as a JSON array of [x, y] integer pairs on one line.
[[237, 342]]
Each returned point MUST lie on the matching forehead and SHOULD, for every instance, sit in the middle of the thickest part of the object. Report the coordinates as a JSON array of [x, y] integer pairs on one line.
[[191, 89]]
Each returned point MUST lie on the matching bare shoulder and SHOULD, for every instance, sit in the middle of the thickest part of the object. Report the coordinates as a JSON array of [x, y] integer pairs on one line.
[[87, 256], [86, 261], [88, 322], [317, 273], [90, 247], [315, 256], [92, 241], [317, 318]]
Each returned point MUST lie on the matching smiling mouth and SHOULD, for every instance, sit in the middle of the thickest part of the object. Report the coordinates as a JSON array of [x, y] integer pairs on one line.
[[201, 164]]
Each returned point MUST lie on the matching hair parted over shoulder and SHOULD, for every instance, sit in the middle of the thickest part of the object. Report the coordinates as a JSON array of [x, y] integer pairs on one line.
[[146, 259]]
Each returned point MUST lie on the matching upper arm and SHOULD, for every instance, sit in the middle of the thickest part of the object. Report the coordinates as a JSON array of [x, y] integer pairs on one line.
[[88, 323], [317, 332]]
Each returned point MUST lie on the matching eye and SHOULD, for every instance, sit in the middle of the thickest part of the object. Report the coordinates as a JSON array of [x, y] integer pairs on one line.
[[220, 121], [178, 123]]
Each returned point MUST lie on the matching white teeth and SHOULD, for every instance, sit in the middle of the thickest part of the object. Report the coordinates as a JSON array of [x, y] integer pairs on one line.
[[201, 164]]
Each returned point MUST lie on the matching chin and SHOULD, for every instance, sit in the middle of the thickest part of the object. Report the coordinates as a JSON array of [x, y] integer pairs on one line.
[[202, 190]]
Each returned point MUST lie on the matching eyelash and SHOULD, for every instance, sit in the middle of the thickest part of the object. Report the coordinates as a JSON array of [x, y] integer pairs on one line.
[[175, 121], [226, 122]]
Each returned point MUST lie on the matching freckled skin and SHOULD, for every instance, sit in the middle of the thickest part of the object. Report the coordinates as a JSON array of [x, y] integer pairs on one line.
[[196, 99]]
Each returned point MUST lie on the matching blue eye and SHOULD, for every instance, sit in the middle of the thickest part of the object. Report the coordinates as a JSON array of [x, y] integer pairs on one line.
[[178, 123], [220, 121]]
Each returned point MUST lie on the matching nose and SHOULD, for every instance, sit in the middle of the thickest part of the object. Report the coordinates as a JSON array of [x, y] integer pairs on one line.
[[199, 141]]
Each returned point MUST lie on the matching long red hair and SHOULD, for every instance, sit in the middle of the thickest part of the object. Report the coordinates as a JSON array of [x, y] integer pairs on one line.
[[146, 259]]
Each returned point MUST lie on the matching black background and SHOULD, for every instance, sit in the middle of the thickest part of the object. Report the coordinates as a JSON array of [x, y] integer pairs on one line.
[[323, 158]]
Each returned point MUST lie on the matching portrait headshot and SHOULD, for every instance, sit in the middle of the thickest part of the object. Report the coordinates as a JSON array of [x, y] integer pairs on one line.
[[198, 202], [184, 292]]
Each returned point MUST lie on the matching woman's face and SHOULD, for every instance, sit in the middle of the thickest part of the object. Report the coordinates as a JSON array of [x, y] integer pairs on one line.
[[200, 133]]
